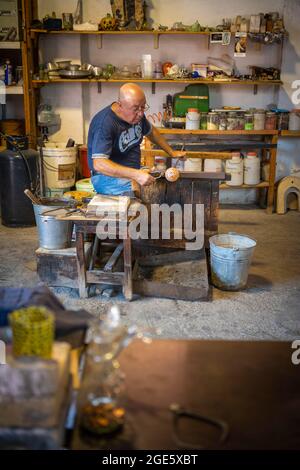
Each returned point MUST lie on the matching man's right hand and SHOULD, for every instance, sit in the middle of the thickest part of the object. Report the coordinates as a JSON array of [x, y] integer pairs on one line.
[[143, 178]]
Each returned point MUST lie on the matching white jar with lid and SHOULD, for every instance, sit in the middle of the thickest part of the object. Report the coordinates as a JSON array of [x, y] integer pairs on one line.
[[234, 167], [251, 169], [259, 119], [294, 120], [213, 165], [193, 164], [192, 119]]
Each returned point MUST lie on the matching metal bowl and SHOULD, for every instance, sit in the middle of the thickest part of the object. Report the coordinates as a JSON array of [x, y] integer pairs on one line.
[[51, 66], [74, 73], [63, 64], [74, 67], [87, 67]]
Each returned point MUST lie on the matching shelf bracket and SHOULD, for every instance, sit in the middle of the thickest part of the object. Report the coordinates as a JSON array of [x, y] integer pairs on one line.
[[99, 41], [156, 41], [99, 87], [255, 89], [153, 88]]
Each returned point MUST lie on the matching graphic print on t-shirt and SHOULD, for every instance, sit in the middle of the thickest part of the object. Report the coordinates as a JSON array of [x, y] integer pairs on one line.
[[130, 137]]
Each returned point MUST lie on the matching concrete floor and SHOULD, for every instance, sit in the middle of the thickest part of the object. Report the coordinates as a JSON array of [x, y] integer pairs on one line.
[[267, 309]]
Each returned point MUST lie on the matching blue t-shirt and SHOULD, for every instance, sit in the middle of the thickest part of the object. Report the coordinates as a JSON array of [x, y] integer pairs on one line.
[[111, 137]]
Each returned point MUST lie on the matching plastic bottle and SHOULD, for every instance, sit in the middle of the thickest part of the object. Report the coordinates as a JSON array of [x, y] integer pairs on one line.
[[8, 73]]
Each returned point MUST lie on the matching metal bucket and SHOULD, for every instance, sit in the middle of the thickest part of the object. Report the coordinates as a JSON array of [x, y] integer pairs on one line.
[[53, 234], [230, 259]]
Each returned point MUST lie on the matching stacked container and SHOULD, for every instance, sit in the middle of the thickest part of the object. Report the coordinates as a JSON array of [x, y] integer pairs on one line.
[[234, 167], [251, 169]]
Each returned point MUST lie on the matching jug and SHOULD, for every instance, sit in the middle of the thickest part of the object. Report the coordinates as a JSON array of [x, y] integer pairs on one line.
[[103, 381]]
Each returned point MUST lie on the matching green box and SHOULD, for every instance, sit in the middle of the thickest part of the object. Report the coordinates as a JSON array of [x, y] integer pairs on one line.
[[193, 96]]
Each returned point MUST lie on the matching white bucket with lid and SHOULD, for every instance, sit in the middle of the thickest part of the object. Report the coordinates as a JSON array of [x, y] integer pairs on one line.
[[192, 119], [59, 163], [213, 165], [193, 164]]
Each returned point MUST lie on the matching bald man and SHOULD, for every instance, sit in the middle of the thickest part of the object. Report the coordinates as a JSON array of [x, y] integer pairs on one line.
[[114, 139]]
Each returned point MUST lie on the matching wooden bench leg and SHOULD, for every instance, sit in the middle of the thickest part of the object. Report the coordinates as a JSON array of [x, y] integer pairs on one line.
[[127, 285], [81, 268]]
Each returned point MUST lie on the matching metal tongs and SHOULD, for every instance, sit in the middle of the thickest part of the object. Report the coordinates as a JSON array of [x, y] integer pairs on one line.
[[180, 412]]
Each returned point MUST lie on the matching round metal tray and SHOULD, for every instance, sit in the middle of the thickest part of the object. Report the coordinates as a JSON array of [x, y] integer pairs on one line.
[[74, 73]]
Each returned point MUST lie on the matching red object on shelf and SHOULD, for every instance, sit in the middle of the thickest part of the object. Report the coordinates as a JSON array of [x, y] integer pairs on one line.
[[85, 171]]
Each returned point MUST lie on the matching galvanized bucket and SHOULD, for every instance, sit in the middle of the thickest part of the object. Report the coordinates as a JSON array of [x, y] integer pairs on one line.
[[230, 259], [53, 234]]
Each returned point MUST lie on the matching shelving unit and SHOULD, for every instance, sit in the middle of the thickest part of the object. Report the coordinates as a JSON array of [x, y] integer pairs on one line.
[[265, 140]]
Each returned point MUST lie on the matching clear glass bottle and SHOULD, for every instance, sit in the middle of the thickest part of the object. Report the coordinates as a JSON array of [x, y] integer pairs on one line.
[[212, 121], [249, 122], [283, 121], [271, 121], [222, 122], [103, 382], [232, 121], [203, 121]]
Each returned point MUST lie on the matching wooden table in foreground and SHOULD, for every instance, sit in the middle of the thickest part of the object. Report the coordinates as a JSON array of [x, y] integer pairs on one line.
[[253, 386]]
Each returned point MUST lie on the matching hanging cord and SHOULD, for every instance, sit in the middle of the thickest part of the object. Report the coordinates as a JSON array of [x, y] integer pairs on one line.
[[11, 141]]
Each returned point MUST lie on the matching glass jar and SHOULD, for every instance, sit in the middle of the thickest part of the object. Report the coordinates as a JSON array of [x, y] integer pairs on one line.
[[283, 121], [222, 122], [240, 121], [232, 122], [271, 121], [203, 121], [160, 163], [212, 121], [249, 122], [259, 120]]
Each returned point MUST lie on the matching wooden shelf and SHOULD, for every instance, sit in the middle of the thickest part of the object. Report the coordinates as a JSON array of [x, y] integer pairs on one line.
[[289, 133], [262, 184], [205, 132], [120, 33], [10, 45], [153, 80], [14, 90]]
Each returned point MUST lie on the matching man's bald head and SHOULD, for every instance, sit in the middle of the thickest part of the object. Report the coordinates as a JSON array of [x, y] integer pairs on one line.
[[131, 93]]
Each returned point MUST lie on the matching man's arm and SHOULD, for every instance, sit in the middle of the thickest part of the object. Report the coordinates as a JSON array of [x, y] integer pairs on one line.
[[110, 168], [156, 138]]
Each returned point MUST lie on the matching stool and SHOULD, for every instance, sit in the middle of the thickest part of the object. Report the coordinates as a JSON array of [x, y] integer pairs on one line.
[[88, 275]]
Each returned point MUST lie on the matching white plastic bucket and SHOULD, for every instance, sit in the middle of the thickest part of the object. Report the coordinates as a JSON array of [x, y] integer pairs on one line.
[[59, 165], [193, 164], [213, 165], [192, 119], [230, 259]]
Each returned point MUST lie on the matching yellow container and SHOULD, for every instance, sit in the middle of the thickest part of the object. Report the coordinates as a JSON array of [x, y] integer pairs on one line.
[[85, 185], [78, 195], [33, 331]]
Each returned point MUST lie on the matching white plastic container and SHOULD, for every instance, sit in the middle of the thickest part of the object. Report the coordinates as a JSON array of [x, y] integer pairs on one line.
[[192, 119], [146, 66], [193, 164], [251, 169], [59, 165], [213, 165], [294, 120], [234, 167]]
